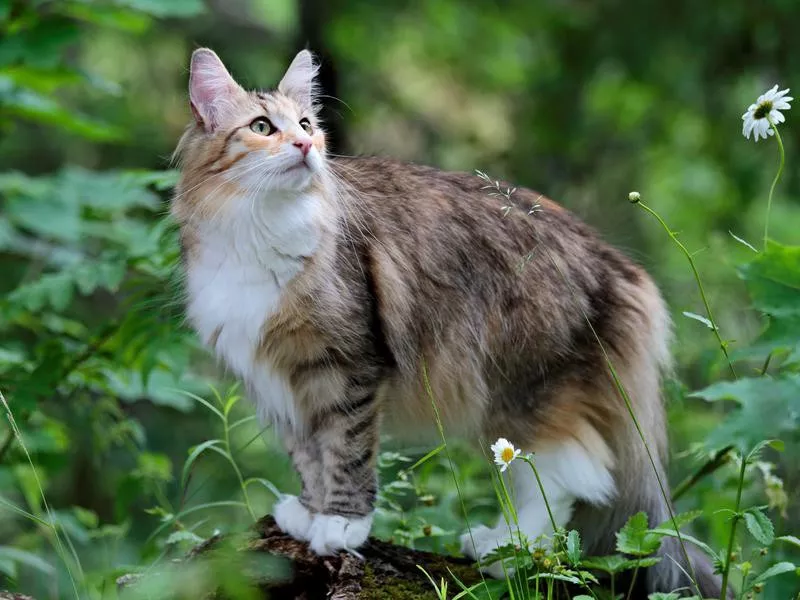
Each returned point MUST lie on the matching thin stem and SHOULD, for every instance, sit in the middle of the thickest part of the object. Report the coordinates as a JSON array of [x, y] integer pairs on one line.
[[633, 581], [440, 428], [720, 458], [723, 346], [734, 522], [777, 177], [541, 489], [237, 470], [530, 461], [6, 444]]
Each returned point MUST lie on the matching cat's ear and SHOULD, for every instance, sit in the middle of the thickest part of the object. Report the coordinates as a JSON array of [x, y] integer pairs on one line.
[[298, 82], [211, 89]]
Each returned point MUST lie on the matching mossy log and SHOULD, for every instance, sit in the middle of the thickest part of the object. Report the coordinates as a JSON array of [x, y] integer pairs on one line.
[[386, 571]]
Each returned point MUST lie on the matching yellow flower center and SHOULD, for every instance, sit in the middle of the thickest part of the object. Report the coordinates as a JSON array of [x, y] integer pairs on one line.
[[507, 454]]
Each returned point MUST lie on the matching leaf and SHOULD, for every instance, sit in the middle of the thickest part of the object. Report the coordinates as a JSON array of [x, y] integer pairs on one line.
[[27, 104], [776, 569], [26, 558], [773, 280], [705, 321], [681, 520], [789, 539], [611, 564], [489, 589], [687, 538], [768, 407], [159, 8], [635, 538], [194, 454], [574, 547], [664, 596], [177, 537], [759, 526], [107, 16], [270, 487]]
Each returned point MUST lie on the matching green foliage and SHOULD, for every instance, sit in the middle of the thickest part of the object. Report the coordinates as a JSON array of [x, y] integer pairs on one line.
[[635, 539], [125, 455]]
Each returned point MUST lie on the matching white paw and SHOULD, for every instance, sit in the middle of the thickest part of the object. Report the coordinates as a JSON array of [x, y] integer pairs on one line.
[[331, 533], [482, 542], [293, 518]]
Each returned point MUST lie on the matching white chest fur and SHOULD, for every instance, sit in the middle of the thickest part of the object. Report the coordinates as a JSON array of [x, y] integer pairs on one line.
[[235, 282]]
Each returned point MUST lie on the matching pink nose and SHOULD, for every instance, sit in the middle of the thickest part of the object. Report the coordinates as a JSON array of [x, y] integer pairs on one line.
[[303, 145]]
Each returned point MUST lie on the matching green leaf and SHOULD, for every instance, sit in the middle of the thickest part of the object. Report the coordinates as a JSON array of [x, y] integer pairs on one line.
[[177, 537], [107, 16], [635, 537], [768, 407], [687, 538], [159, 8], [611, 564], [26, 104], [681, 520], [790, 539], [664, 596], [194, 454], [777, 569], [574, 547], [704, 320], [15, 555], [773, 280], [489, 589], [759, 526]]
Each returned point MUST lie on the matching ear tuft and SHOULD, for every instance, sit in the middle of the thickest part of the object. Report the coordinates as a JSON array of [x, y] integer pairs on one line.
[[211, 89], [298, 82]]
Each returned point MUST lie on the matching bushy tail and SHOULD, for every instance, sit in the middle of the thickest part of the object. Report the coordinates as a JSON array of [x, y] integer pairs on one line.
[[639, 472]]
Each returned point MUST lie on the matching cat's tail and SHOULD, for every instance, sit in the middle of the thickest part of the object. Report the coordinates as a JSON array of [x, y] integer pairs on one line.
[[640, 358]]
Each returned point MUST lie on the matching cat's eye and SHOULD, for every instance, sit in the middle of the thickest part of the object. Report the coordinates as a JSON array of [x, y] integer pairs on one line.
[[263, 126], [306, 125]]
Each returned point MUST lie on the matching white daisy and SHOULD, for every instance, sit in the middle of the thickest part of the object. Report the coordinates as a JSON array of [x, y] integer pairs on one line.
[[504, 453], [769, 105]]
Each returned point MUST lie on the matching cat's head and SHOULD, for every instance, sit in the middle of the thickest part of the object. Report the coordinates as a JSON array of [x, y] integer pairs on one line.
[[254, 142]]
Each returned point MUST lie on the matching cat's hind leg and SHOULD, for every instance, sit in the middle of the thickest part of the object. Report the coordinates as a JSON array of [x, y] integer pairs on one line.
[[569, 472]]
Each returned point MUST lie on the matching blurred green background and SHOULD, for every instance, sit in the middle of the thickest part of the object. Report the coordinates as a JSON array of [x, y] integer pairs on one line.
[[581, 100]]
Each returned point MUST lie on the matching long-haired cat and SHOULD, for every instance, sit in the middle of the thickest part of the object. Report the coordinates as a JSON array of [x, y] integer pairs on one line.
[[347, 292]]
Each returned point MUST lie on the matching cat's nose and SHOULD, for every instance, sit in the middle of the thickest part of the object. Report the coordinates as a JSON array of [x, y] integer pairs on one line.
[[303, 145]]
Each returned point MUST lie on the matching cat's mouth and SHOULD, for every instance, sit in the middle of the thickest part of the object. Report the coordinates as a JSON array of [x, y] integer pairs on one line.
[[298, 166]]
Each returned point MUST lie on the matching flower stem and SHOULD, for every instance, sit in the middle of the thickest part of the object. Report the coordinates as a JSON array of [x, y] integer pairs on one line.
[[777, 177], [715, 329], [734, 521]]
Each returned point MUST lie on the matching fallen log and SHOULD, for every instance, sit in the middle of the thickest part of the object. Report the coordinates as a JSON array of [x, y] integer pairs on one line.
[[383, 571]]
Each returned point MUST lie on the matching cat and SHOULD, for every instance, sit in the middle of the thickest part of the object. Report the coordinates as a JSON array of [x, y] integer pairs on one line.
[[347, 292]]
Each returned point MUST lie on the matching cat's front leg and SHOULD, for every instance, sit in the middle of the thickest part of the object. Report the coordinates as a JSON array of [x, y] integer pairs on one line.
[[348, 439], [295, 514]]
